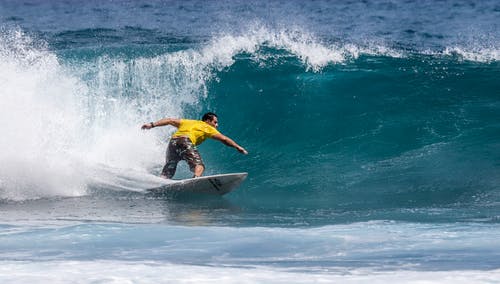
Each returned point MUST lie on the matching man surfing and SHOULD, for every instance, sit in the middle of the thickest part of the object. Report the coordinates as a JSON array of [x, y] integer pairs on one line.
[[190, 133]]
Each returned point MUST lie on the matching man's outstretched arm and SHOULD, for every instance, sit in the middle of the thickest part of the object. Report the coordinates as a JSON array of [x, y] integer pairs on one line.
[[164, 121], [229, 142]]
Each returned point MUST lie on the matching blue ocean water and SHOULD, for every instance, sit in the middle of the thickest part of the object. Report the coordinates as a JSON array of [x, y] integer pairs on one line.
[[373, 129]]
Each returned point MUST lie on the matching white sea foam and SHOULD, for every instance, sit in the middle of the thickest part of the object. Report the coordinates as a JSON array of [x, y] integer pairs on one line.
[[485, 55], [158, 272]]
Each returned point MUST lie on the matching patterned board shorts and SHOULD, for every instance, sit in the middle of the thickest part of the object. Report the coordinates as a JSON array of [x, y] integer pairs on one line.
[[181, 148]]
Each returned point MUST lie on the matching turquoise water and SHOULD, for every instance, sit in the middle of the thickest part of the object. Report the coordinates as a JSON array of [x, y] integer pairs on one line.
[[372, 127]]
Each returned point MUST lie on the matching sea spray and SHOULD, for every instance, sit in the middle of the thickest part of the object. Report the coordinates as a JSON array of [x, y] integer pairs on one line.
[[40, 119]]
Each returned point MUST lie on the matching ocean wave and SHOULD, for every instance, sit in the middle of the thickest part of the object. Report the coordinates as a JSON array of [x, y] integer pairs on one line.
[[374, 245], [88, 109]]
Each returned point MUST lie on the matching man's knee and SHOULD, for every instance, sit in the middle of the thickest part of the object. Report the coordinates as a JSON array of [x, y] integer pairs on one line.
[[198, 170]]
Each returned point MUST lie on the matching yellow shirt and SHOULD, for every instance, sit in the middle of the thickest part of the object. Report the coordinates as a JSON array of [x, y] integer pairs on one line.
[[196, 130]]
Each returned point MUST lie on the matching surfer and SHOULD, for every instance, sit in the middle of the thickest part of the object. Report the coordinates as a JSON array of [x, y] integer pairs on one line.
[[190, 133]]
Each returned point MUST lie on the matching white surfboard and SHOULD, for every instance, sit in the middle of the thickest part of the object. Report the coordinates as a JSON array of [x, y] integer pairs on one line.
[[215, 184]]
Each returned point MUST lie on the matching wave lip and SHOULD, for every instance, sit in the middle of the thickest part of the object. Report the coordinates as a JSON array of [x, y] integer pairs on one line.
[[482, 55], [312, 51]]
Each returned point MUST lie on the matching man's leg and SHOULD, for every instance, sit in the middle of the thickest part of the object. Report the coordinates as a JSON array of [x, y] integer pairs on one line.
[[193, 158], [171, 161], [169, 169]]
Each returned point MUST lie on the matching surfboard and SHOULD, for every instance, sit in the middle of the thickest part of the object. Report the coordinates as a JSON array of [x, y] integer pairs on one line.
[[214, 184]]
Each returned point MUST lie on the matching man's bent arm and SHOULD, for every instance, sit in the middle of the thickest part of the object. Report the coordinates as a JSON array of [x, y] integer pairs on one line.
[[229, 142], [164, 121]]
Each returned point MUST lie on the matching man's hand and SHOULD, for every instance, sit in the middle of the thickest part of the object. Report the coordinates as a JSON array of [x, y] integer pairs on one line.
[[147, 126], [242, 150]]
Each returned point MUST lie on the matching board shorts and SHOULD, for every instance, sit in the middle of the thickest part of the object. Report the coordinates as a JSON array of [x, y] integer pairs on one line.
[[181, 148]]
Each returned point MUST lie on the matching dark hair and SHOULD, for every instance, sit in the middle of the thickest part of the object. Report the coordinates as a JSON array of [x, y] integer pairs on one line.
[[208, 116]]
